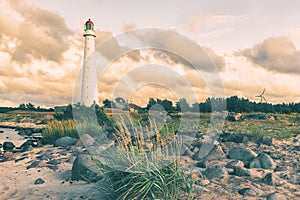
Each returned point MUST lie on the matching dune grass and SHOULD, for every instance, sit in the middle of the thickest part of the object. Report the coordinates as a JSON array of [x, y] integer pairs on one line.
[[57, 129], [150, 167]]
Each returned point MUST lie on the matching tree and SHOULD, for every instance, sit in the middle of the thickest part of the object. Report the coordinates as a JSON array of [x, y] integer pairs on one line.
[[22, 106], [183, 105], [108, 104]]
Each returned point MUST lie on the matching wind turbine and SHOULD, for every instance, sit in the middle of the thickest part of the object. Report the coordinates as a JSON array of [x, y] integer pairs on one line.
[[262, 97]]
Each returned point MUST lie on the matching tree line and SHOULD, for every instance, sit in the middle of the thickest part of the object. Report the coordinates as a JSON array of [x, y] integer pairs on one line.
[[230, 104]]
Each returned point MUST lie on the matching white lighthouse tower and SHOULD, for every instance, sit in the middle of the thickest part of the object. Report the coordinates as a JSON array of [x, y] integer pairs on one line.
[[89, 90]]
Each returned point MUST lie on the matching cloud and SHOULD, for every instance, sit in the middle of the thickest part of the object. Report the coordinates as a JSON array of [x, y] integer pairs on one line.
[[128, 27], [38, 33], [169, 46], [276, 54]]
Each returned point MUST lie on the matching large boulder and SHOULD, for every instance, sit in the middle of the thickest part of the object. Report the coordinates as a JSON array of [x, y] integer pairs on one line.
[[85, 168], [263, 161], [243, 154], [65, 141], [8, 146]]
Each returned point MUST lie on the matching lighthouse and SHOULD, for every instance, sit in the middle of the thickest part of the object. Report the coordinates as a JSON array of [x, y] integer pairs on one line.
[[89, 90]]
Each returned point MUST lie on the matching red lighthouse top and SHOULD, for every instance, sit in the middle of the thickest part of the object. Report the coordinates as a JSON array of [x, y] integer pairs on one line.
[[89, 22]]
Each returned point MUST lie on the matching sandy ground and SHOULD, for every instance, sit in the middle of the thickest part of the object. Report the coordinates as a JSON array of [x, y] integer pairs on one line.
[[17, 182]]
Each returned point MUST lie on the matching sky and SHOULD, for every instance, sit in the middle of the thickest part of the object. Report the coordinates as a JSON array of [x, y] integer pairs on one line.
[[205, 49]]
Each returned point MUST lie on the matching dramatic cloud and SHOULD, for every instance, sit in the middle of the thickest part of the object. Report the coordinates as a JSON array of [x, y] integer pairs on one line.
[[37, 33], [277, 54]]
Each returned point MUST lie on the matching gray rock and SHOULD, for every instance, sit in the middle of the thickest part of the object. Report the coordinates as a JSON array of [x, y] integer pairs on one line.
[[215, 172], [22, 158], [240, 153], [215, 153], [39, 181], [8, 146], [234, 163], [272, 179], [275, 196], [254, 192], [45, 156], [263, 161], [33, 165], [236, 138], [65, 141], [7, 156], [267, 140], [240, 171], [85, 140], [85, 168]]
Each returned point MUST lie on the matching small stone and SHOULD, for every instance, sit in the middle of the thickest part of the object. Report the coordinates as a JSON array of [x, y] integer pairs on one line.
[[202, 182], [39, 181], [22, 158], [272, 179], [33, 165], [275, 196], [8, 156], [234, 163], [250, 192], [8, 146], [215, 172], [267, 141], [240, 171]]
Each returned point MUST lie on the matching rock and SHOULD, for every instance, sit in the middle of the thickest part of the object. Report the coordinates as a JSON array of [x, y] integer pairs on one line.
[[85, 140], [243, 154], [8, 156], [39, 181], [215, 172], [215, 153], [263, 161], [22, 158], [65, 141], [236, 138], [8, 146], [53, 162], [280, 169], [202, 182], [45, 156], [234, 163], [240, 171], [254, 192], [275, 196], [85, 168], [272, 179], [267, 140], [33, 165]]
